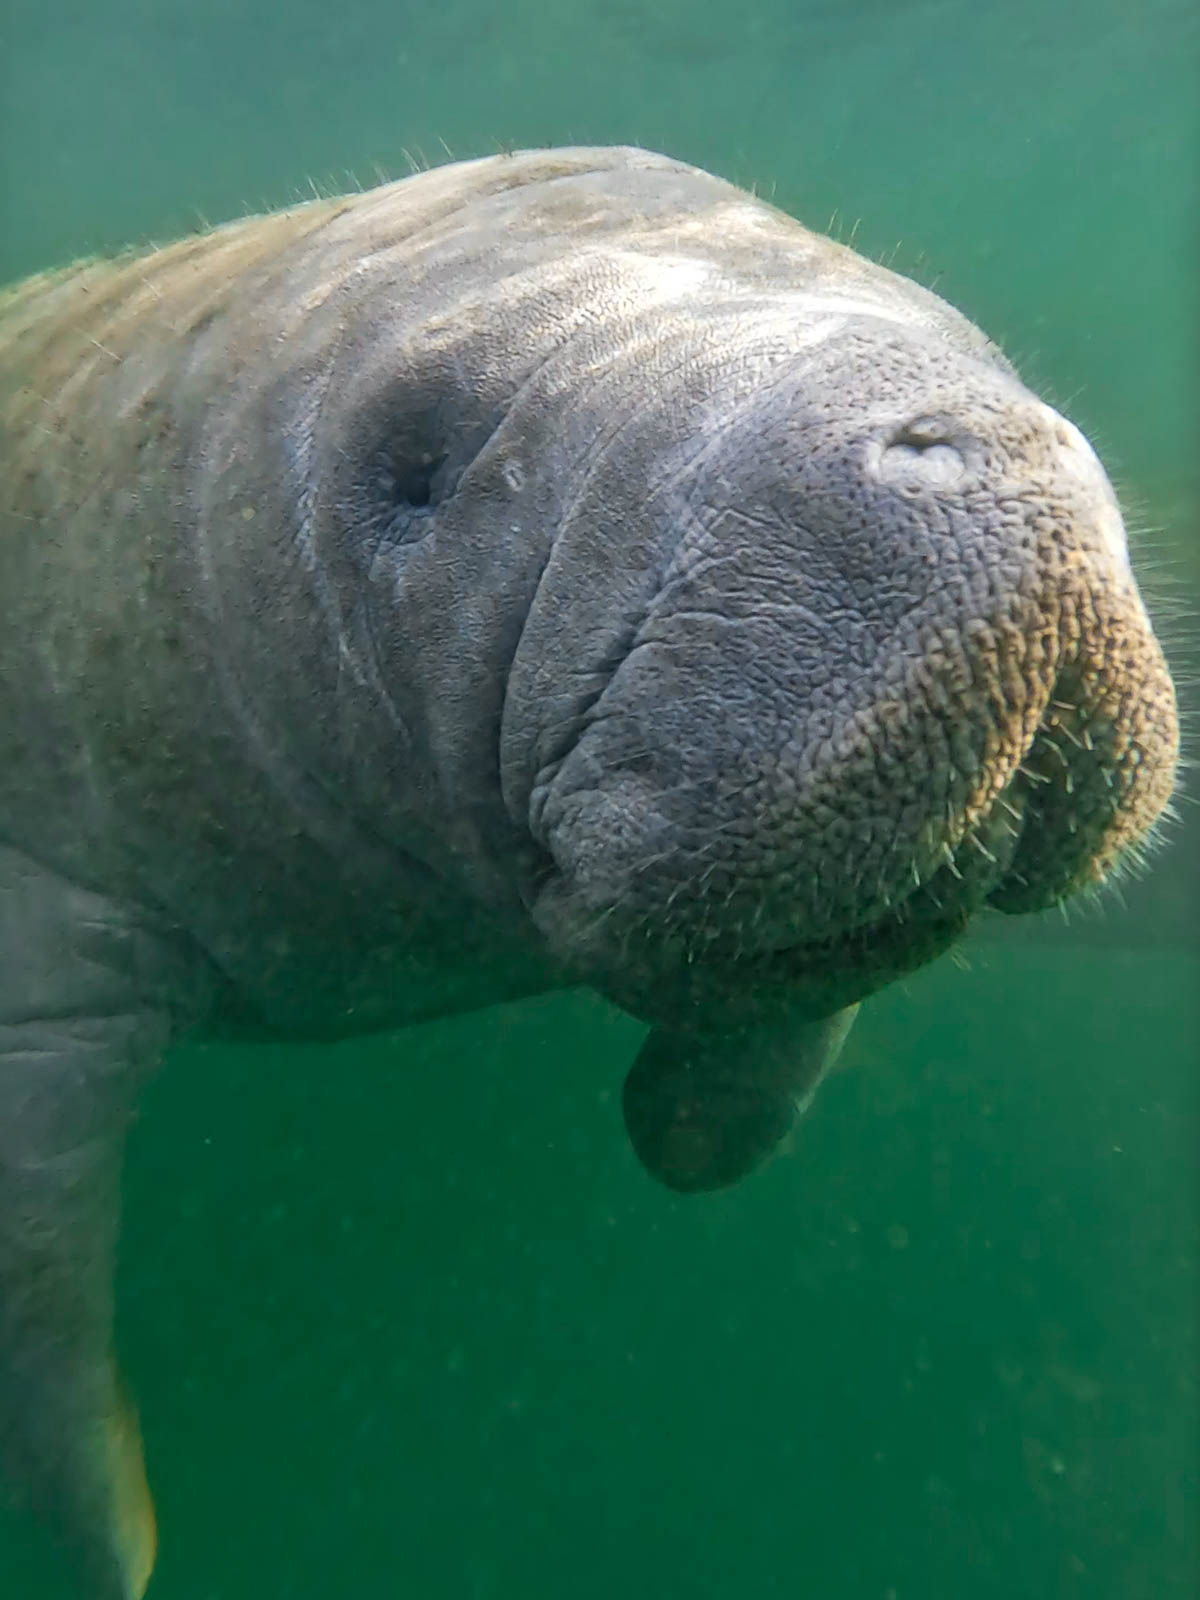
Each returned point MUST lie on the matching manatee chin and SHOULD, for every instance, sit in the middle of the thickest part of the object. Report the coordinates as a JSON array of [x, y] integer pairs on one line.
[[704, 1108]]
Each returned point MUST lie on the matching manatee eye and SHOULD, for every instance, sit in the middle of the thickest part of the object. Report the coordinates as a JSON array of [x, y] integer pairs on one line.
[[407, 487], [412, 482], [925, 453]]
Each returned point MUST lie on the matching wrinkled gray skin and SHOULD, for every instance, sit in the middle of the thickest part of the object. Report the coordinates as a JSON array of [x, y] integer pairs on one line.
[[557, 568]]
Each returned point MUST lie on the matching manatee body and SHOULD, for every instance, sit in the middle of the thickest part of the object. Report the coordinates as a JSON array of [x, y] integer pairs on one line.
[[558, 568]]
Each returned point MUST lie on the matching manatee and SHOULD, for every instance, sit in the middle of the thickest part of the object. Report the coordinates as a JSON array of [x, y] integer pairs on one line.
[[554, 569]]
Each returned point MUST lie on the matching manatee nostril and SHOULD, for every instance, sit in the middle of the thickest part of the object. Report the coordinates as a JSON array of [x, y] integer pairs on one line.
[[925, 433], [924, 452]]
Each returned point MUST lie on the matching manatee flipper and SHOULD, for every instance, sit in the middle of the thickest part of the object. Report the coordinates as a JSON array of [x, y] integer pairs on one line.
[[703, 1109], [76, 1040]]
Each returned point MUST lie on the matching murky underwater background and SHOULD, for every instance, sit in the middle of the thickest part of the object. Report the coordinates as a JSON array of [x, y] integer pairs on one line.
[[404, 1316]]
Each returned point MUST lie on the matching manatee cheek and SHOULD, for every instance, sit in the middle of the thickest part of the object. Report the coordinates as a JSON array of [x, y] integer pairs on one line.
[[694, 1129]]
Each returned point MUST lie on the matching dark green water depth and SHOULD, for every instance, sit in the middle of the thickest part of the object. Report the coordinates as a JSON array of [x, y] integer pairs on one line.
[[404, 1316]]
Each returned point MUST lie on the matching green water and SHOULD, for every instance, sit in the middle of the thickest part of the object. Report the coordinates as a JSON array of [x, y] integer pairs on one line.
[[405, 1317]]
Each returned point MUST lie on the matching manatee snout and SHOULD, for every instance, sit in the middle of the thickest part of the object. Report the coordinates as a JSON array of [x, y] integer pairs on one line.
[[894, 667]]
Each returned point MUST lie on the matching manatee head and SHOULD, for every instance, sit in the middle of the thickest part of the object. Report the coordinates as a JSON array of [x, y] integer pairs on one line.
[[742, 622], [884, 663], [746, 619]]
